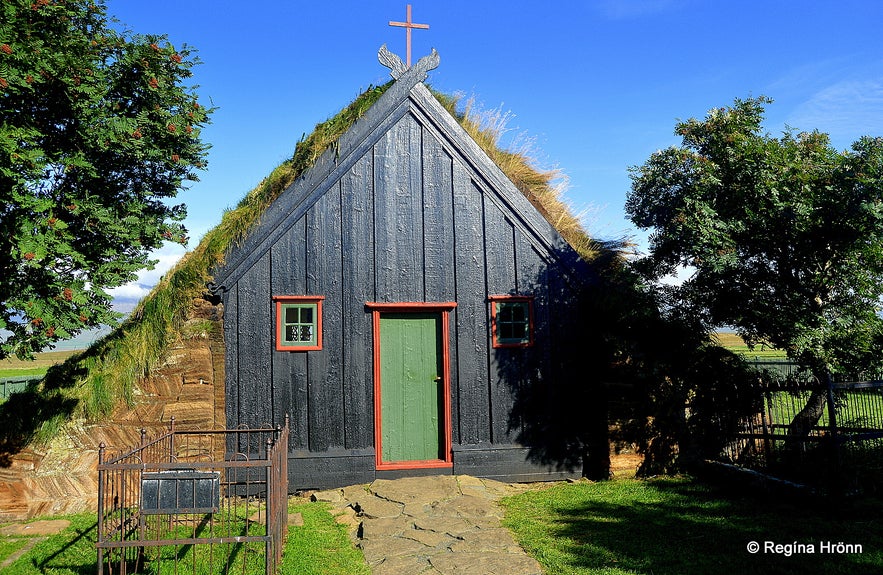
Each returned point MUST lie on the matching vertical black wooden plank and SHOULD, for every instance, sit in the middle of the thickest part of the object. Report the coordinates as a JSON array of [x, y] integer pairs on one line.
[[438, 220], [471, 311], [357, 211], [324, 278], [504, 365], [532, 279], [438, 246], [500, 249], [255, 344], [561, 314], [453, 363], [531, 270], [290, 368], [231, 357], [399, 213]]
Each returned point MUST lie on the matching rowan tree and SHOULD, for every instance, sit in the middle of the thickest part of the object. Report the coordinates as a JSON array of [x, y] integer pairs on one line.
[[784, 236], [98, 131]]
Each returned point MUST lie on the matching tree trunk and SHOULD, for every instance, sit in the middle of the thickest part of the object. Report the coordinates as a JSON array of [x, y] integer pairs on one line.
[[803, 423]]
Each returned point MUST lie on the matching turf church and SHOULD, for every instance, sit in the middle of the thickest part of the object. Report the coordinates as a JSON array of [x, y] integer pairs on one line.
[[397, 302]]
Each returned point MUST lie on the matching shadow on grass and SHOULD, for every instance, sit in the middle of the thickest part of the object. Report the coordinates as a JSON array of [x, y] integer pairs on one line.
[[676, 526], [71, 555], [70, 552]]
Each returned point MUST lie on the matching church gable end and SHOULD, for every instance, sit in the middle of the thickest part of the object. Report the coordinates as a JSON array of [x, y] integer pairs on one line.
[[406, 236]]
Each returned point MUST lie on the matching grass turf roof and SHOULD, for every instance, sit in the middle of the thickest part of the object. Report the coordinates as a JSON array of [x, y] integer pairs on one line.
[[106, 374]]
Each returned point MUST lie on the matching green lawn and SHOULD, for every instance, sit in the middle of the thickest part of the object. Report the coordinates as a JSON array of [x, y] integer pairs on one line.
[[664, 526], [676, 526], [855, 408], [319, 547]]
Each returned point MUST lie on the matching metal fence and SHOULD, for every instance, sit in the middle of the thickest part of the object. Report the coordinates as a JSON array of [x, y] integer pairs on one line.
[[843, 445], [10, 385], [194, 502]]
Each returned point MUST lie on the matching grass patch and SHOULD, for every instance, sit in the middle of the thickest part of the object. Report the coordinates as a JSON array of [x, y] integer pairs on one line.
[[673, 526], [71, 552], [319, 547], [10, 545]]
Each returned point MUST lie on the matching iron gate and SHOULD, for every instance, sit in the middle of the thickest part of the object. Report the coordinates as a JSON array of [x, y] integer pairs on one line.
[[194, 502]]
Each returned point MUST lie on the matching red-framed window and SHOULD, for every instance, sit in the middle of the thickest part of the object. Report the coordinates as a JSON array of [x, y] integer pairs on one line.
[[298, 322], [512, 322]]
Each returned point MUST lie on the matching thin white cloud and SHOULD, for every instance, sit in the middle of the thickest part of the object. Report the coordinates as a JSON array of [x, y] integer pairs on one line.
[[129, 292], [846, 111], [167, 256]]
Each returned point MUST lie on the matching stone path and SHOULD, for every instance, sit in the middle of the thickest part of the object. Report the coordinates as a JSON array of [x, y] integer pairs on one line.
[[441, 525]]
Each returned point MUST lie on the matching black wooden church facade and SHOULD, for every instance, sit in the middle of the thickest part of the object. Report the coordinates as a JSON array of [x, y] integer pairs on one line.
[[396, 302]]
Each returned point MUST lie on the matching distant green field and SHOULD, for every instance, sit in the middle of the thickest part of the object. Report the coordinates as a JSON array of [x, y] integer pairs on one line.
[[735, 344], [13, 367]]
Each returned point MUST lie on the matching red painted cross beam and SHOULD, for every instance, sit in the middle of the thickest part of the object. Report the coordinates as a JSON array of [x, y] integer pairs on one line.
[[408, 26]]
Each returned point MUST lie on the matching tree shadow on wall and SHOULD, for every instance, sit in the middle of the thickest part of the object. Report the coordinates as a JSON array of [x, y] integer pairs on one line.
[[624, 364]]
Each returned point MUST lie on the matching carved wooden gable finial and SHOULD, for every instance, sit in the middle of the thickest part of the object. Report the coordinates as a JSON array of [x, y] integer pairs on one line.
[[398, 69]]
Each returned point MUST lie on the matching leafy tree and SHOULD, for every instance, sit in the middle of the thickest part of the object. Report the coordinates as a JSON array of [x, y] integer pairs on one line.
[[672, 394], [97, 133], [784, 236]]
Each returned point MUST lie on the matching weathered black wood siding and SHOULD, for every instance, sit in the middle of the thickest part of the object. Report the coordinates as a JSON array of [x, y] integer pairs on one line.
[[412, 218]]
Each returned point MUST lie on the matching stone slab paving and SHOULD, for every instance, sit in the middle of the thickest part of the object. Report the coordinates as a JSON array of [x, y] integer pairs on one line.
[[440, 525]]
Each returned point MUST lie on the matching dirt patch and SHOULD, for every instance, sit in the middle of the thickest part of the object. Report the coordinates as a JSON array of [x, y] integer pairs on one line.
[[625, 464]]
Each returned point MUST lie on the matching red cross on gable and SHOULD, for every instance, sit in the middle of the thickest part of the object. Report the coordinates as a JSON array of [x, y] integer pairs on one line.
[[408, 26]]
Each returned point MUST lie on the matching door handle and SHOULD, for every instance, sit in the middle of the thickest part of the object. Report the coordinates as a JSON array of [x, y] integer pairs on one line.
[[438, 378]]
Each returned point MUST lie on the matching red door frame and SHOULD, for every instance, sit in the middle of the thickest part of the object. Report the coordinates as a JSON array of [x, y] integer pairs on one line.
[[444, 308]]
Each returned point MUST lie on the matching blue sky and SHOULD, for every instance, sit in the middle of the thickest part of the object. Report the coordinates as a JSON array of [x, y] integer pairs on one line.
[[596, 86]]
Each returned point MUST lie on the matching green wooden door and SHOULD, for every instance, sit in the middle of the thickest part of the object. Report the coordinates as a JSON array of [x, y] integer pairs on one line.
[[411, 387]]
